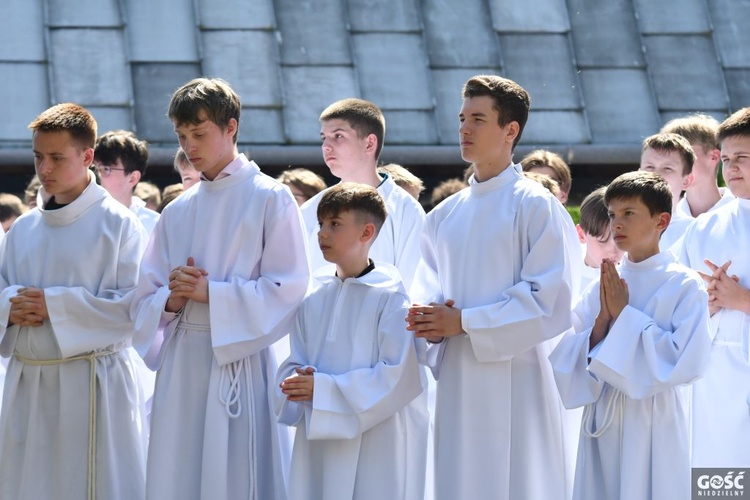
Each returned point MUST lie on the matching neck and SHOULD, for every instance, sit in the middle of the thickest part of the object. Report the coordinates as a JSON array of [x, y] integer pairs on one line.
[[365, 176], [701, 197], [353, 268], [125, 200], [221, 164], [487, 170], [644, 253]]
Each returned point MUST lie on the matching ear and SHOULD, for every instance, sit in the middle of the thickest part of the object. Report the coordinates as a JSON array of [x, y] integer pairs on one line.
[[715, 156], [135, 178], [664, 219], [581, 236], [513, 129], [372, 144], [687, 181], [368, 232], [88, 157], [231, 127]]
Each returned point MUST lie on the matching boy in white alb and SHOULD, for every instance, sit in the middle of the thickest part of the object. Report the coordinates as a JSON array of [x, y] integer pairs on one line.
[[71, 425], [352, 133], [351, 380], [594, 232], [717, 245], [221, 278], [500, 254], [638, 337]]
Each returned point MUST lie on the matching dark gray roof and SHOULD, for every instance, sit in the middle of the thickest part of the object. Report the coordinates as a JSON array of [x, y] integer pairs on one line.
[[602, 74]]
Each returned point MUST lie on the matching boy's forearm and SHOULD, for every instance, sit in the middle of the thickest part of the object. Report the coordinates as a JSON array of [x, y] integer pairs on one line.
[[598, 332]]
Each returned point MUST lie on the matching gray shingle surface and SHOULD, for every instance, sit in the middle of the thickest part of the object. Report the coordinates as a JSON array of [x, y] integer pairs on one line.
[[687, 16], [384, 15], [555, 127], [25, 96], [308, 90], [682, 84], [153, 85], [163, 31], [22, 31], [738, 84], [619, 104], [112, 118], [84, 13], [385, 61], [261, 126], [236, 14], [730, 31], [605, 34], [313, 32], [529, 16], [460, 34], [90, 67], [670, 115], [248, 60], [410, 127], [543, 65]]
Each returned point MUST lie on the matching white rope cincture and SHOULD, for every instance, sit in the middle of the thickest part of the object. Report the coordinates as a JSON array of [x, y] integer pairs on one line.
[[614, 406], [91, 358]]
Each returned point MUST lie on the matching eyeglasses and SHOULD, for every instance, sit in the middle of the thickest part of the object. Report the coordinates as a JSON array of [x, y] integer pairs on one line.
[[106, 170]]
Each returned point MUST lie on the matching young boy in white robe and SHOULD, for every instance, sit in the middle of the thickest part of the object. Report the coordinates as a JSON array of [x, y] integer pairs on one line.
[[704, 194], [351, 380], [717, 246], [503, 266], [594, 233], [71, 419], [672, 157], [638, 338], [221, 278], [352, 133]]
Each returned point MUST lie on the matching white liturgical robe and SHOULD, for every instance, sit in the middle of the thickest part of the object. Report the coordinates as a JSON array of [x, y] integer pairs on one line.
[[721, 399], [85, 256], [214, 434], [360, 437], [398, 240], [635, 439], [499, 251]]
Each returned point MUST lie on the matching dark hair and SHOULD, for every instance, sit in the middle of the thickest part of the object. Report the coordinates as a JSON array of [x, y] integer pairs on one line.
[[125, 146], [363, 116], [446, 189], [672, 143], [68, 117], [738, 124], [362, 200], [213, 96], [595, 214], [511, 100], [652, 189]]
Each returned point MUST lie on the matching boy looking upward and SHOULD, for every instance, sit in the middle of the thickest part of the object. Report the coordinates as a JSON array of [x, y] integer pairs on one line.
[[121, 159], [352, 378], [704, 194], [71, 423], [716, 245], [352, 133], [637, 337], [504, 290], [210, 304], [672, 157]]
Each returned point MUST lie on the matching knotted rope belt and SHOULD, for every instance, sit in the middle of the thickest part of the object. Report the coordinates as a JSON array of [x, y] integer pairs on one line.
[[91, 358]]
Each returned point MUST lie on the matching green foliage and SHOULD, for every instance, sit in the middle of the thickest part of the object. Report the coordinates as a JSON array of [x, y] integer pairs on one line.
[[575, 213]]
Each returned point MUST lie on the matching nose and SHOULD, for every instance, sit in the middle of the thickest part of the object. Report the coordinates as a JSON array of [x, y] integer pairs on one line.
[[42, 166], [326, 146], [463, 129]]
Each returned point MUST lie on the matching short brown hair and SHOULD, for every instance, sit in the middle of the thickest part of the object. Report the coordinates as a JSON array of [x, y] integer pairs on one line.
[[362, 200], [125, 146], [402, 176], [738, 124], [545, 180], [308, 182], [11, 206], [595, 214], [672, 143], [543, 158], [511, 100], [651, 188], [363, 116], [68, 117], [148, 192], [445, 190], [697, 128], [213, 96]]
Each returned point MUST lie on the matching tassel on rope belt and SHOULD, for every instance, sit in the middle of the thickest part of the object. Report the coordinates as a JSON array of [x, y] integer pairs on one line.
[[91, 358]]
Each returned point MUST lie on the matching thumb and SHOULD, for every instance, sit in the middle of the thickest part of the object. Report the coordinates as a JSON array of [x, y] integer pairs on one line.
[[450, 302], [190, 261]]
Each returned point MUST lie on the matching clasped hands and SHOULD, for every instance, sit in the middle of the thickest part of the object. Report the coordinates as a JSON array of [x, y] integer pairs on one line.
[[187, 282], [435, 321], [724, 291], [613, 297], [300, 386], [28, 307]]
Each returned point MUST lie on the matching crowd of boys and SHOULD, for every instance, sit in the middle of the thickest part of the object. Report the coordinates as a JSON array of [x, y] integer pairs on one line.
[[477, 351]]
